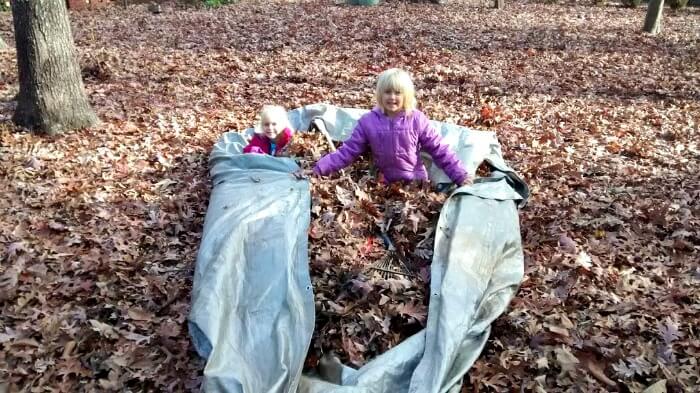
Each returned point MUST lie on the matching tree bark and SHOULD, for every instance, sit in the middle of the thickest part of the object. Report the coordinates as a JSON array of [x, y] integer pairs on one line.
[[499, 4], [3, 45], [652, 22], [51, 93]]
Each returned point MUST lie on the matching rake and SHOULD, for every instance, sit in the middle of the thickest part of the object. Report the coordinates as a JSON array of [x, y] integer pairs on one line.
[[391, 264]]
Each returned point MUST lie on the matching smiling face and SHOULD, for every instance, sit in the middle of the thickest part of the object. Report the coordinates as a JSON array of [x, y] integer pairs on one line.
[[271, 127], [395, 92], [392, 101]]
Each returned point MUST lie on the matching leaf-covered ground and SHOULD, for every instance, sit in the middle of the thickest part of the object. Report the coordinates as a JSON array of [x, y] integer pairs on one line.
[[99, 228]]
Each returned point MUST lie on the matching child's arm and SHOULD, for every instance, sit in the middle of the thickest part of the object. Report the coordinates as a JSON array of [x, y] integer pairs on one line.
[[442, 155], [283, 138], [255, 146], [253, 149], [345, 155]]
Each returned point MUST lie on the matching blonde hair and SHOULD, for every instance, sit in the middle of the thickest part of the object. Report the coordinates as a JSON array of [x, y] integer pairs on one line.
[[398, 80], [276, 113]]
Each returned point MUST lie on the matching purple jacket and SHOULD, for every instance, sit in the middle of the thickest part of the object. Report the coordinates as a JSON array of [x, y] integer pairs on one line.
[[396, 144]]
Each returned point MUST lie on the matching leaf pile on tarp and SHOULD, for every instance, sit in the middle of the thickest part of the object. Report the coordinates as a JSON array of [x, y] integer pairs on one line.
[[363, 309]]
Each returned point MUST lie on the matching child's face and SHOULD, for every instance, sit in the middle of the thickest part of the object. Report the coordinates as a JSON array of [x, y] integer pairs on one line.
[[392, 101], [271, 128]]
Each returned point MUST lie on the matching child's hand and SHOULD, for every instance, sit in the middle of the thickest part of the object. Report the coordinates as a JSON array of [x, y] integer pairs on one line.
[[303, 174], [299, 175], [467, 181]]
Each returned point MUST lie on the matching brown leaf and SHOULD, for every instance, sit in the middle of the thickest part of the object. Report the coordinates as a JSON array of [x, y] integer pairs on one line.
[[596, 369], [567, 244], [104, 329], [169, 329]]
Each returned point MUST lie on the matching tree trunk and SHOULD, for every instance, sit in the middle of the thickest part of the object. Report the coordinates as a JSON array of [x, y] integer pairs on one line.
[[51, 93], [499, 4], [3, 45], [652, 22]]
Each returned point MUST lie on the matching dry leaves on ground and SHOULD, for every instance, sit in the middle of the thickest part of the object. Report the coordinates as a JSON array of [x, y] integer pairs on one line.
[[99, 228]]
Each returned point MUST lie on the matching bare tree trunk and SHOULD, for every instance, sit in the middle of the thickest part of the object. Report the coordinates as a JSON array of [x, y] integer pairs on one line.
[[652, 22], [3, 45], [499, 4], [51, 93]]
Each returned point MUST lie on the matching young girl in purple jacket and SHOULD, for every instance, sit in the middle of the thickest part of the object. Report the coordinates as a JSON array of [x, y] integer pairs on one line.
[[396, 133]]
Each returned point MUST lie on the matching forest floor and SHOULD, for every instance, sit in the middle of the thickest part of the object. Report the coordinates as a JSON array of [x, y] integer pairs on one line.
[[100, 227]]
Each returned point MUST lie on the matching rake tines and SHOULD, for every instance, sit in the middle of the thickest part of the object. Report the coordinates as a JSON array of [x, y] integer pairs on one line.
[[389, 266]]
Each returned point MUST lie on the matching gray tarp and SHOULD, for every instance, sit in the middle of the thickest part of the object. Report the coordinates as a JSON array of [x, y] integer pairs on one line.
[[252, 311]]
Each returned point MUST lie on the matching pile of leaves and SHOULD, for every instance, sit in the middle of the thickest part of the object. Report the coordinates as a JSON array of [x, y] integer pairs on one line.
[[370, 246], [99, 228]]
